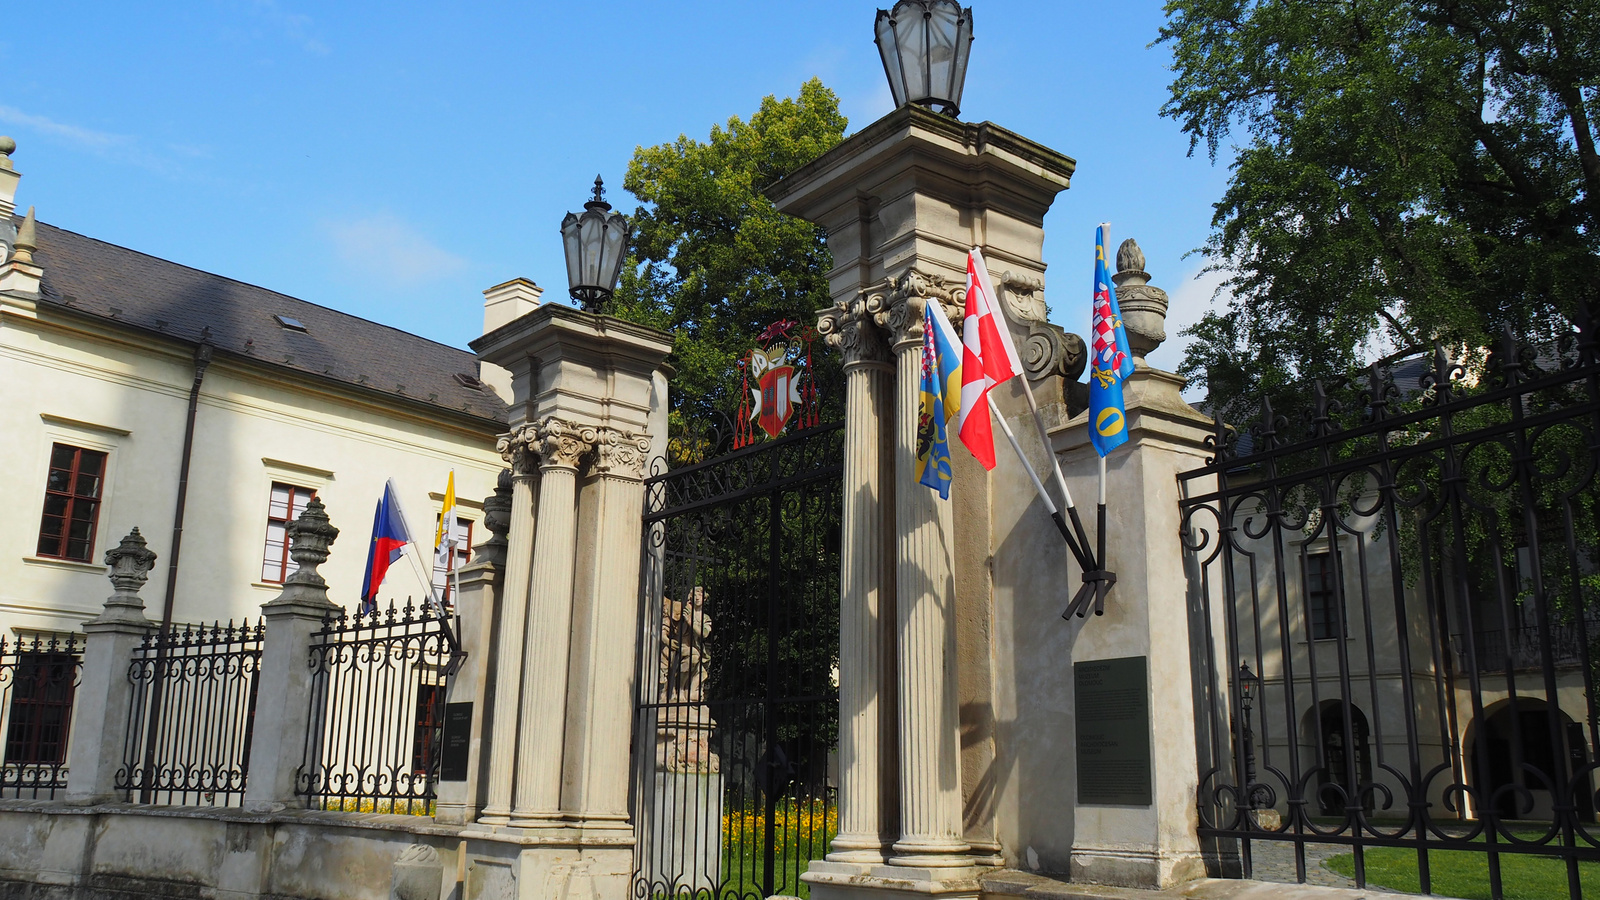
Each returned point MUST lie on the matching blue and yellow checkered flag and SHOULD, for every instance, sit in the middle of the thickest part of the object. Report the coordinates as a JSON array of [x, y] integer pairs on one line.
[[941, 398]]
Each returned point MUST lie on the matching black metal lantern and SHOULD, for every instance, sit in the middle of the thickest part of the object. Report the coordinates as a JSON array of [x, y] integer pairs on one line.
[[595, 243], [925, 45]]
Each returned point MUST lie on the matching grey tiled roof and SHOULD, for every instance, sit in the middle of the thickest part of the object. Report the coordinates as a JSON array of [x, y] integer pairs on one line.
[[162, 297]]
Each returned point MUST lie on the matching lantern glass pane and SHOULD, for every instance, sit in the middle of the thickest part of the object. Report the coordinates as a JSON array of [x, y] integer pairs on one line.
[[911, 42], [616, 242], [958, 78], [889, 50], [569, 244], [942, 24], [592, 234]]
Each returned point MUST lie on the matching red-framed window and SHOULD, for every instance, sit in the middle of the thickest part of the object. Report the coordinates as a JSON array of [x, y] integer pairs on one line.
[[41, 708], [72, 494], [287, 503], [429, 727], [442, 582]]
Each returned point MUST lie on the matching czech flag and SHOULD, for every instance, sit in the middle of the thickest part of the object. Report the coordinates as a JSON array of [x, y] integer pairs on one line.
[[941, 398], [1112, 361], [989, 358], [389, 538]]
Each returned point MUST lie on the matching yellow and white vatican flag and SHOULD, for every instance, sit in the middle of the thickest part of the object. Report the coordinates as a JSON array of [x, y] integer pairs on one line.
[[444, 539]]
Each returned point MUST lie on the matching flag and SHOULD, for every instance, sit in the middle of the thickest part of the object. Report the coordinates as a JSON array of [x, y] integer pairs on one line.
[[444, 540], [941, 398], [989, 358], [389, 538], [1112, 360]]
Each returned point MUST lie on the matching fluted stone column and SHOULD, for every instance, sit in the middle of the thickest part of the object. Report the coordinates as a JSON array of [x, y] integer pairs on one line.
[[868, 786], [517, 448], [563, 446], [931, 830], [600, 690]]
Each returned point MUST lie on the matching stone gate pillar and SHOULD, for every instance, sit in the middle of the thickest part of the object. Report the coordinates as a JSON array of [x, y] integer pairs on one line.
[[585, 387], [902, 201]]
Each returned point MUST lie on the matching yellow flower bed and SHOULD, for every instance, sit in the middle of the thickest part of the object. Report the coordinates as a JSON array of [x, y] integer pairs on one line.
[[797, 824], [415, 807]]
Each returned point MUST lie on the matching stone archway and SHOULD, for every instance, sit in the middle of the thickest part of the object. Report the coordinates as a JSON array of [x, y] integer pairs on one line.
[[1515, 737]]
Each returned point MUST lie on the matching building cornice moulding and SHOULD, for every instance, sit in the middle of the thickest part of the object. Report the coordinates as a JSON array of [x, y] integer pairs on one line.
[[81, 425]]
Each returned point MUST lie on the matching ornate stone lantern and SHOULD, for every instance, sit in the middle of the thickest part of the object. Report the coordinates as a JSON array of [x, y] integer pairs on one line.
[[595, 243], [925, 45]]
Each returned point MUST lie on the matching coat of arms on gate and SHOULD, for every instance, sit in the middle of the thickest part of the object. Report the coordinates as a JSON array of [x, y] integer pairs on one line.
[[777, 384]]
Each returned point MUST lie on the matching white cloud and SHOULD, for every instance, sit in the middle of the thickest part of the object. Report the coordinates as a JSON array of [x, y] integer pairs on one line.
[[390, 250], [1194, 295], [123, 148]]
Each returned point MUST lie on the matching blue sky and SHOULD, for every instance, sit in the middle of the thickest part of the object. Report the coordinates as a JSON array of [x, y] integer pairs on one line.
[[394, 159]]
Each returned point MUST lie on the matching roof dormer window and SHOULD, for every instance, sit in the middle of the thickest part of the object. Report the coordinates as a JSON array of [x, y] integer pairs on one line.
[[291, 324]]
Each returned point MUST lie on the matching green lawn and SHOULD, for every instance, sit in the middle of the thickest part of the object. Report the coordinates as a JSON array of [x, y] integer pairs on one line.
[[1463, 873]]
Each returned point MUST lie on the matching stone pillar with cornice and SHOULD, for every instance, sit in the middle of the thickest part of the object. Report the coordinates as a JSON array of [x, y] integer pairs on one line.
[[586, 398], [902, 201]]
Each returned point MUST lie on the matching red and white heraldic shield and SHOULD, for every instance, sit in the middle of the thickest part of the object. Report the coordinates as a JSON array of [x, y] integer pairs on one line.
[[777, 393]]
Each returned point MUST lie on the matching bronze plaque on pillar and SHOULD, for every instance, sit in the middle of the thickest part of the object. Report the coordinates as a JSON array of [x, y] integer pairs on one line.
[[1113, 724]]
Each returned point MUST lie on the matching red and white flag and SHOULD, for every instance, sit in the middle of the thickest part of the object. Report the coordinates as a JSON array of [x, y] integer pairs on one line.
[[988, 358]]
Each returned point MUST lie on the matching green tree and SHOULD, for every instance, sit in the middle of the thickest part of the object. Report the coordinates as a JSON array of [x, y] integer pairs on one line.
[[1413, 171], [712, 260]]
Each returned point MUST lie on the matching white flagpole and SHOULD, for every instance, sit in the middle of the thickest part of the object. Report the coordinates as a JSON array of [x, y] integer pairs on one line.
[[1084, 561], [1044, 438]]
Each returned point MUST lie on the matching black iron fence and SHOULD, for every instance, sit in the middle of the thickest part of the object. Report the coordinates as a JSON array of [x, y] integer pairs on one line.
[[737, 713], [378, 688], [1393, 616], [193, 708], [38, 680]]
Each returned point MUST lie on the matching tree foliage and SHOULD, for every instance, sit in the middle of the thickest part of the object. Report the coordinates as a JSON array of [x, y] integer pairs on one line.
[[1412, 171], [712, 260]]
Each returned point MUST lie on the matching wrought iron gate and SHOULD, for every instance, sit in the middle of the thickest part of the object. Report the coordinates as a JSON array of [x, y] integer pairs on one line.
[[1395, 593], [737, 715]]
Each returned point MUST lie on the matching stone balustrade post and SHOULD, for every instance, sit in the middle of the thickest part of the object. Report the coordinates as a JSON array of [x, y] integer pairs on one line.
[[479, 608], [105, 695], [285, 683], [563, 446]]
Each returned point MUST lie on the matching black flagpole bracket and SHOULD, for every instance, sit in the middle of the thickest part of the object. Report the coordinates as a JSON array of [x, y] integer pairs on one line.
[[1096, 584]]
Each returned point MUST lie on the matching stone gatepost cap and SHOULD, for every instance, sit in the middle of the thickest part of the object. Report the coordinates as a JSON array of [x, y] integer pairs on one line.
[[133, 547]]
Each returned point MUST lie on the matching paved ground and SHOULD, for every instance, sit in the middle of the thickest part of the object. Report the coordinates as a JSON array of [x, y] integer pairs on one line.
[[1274, 861]]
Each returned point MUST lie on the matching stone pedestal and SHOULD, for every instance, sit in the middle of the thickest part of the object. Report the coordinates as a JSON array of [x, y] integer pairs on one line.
[[283, 689]]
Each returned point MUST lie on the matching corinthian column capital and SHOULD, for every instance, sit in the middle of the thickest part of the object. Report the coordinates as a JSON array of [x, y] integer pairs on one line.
[[563, 444], [899, 303], [621, 454], [850, 328], [519, 449]]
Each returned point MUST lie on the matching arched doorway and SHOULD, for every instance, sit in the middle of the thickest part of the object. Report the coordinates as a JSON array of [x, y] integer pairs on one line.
[[1516, 737], [1340, 752]]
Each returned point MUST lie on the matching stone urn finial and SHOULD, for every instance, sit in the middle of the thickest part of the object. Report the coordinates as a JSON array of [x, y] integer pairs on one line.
[[310, 536], [497, 510], [128, 566], [1144, 308]]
